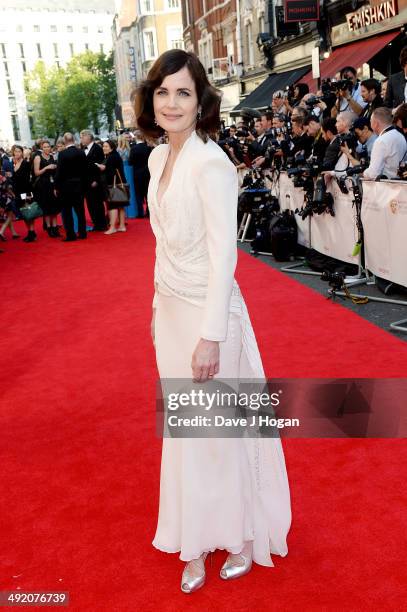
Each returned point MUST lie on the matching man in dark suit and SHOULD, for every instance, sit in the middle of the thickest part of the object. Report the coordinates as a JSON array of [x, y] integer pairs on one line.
[[138, 158], [70, 178], [94, 189], [396, 93], [333, 150]]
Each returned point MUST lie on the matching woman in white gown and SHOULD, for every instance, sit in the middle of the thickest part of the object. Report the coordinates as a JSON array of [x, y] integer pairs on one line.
[[215, 493]]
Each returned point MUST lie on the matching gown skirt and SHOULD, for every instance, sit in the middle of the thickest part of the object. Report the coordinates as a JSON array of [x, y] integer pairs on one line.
[[217, 493]]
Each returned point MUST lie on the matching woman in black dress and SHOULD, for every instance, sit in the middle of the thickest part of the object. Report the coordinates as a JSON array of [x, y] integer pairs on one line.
[[44, 167], [7, 203], [113, 167], [22, 186]]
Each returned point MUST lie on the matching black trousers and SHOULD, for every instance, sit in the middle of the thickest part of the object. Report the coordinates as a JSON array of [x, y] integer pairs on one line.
[[72, 198], [94, 199]]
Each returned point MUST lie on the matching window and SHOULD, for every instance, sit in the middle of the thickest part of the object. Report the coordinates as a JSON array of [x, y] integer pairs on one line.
[[9, 88], [24, 67], [86, 46], [85, 29], [174, 37], [16, 127], [53, 28], [249, 43], [100, 29], [3, 50], [6, 69], [173, 4], [31, 123], [149, 46], [38, 50], [21, 49], [71, 49], [58, 65], [146, 6], [101, 47], [36, 28], [19, 28], [55, 49], [69, 28]]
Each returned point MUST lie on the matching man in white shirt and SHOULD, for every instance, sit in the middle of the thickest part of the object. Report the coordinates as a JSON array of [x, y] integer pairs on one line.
[[389, 148], [349, 99]]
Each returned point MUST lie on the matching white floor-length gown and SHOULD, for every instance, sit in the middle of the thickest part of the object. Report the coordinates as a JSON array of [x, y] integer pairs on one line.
[[214, 492]]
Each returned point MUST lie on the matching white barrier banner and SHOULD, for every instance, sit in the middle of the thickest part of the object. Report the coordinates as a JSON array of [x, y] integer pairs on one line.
[[336, 236], [290, 198], [384, 218]]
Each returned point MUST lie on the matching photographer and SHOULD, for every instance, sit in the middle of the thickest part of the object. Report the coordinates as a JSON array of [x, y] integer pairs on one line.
[[400, 118], [299, 91], [366, 139], [313, 104], [396, 92], [267, 120], [371, 94], [257, 145], [278, 103], [349, 97], [335, 160], [389, 148], [301, 143], [313, 129], [299, 112], [333, 151]]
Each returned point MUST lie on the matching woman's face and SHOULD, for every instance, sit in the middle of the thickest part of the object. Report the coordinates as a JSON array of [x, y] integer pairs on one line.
[[106, 148], [175, 102], [46, 148], [18, 154]]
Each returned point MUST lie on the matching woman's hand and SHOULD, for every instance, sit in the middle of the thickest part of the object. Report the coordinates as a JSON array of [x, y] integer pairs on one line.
[[205, 360], [153, 328]]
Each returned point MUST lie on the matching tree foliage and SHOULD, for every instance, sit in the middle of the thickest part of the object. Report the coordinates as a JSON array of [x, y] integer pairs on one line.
[[81, 95]]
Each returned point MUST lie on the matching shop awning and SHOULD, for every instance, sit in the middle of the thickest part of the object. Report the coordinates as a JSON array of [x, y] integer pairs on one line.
[[260, 98], [354, 54]]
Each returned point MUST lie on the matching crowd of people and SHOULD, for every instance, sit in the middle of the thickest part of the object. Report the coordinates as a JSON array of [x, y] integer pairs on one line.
[[346, 123], [68, 175]]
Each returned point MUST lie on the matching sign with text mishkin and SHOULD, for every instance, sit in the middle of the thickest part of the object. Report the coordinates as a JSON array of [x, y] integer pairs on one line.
[[301, 10], [371, 14]]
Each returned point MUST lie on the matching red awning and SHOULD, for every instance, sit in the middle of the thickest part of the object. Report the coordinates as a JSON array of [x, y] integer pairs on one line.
[[355, 54]]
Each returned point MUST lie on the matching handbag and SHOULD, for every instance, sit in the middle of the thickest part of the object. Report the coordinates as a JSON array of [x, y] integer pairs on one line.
[[119, 193], [31, 211]]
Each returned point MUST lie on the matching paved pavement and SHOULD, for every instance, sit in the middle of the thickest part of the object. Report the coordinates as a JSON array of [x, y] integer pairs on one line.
[[379, 313]]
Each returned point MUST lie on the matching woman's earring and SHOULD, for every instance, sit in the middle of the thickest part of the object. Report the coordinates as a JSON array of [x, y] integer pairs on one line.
[[155, 121], [199, 115]]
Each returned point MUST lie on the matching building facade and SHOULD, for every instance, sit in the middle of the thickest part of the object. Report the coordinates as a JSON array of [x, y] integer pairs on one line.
[[249, 50], [142, 30], [35, 30]]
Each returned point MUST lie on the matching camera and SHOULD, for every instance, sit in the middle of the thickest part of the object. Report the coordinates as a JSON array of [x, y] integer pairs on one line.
[[336, 280], [318, 200], [342, 85], [347, 138]]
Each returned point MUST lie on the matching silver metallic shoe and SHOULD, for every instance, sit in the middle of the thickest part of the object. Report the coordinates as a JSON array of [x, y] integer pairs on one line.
[[240, 565], [190, 583]]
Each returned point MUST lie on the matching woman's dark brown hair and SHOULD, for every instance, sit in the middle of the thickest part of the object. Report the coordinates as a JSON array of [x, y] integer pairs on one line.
[[209, 98], [112, 144]]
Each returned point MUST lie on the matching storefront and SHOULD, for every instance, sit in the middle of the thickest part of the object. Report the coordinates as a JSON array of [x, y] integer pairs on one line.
[[369, 39]]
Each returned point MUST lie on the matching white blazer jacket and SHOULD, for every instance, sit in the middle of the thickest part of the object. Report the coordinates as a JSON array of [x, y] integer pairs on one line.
[[196, 229]]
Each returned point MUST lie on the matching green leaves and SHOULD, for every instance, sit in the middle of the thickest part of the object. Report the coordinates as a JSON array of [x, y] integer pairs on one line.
[[81, 95]]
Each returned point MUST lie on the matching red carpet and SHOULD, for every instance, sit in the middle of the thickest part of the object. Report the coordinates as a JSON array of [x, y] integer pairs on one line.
[[80, 460]]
